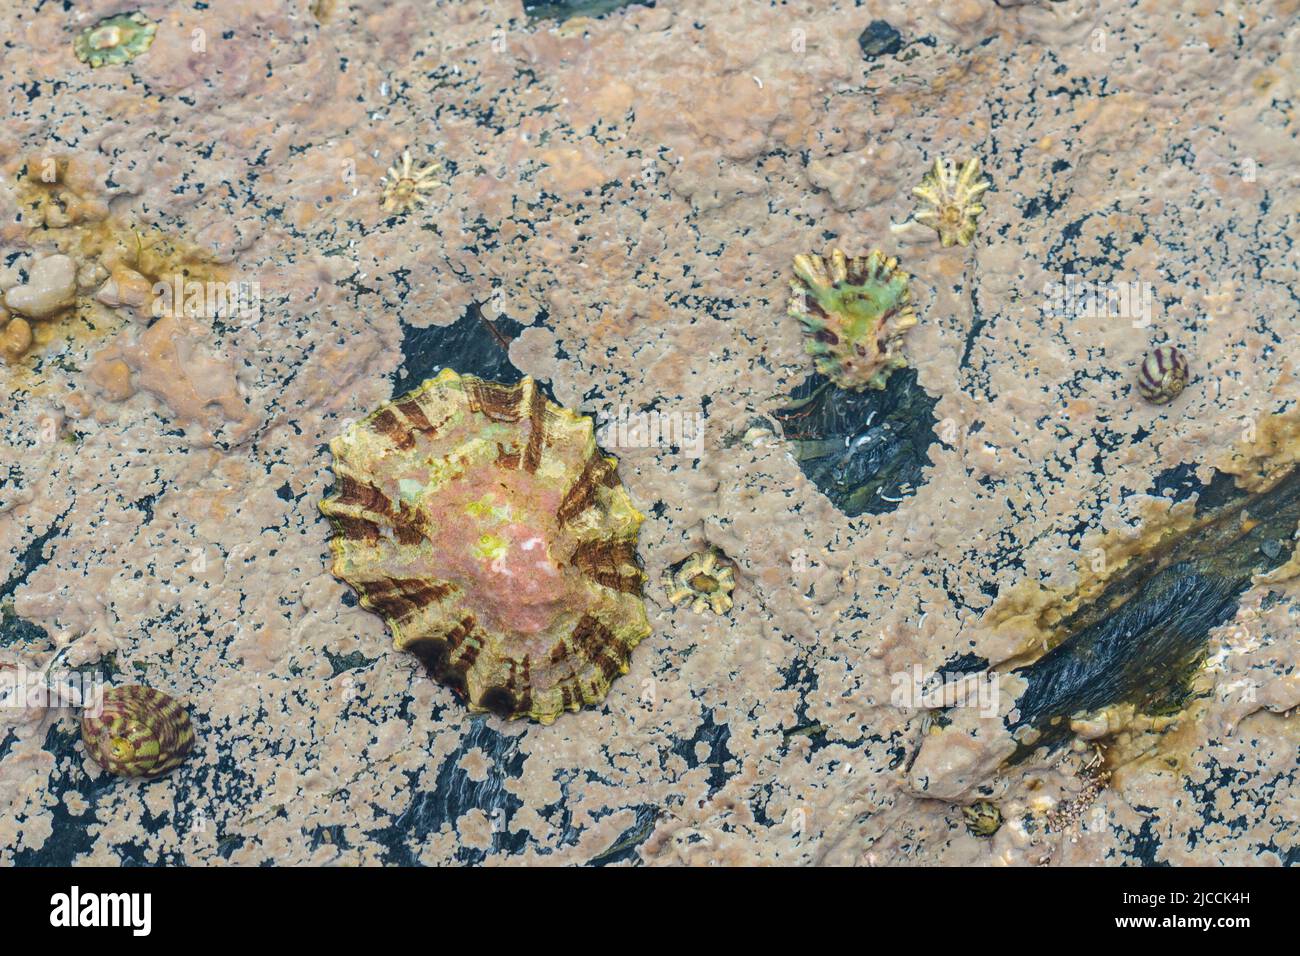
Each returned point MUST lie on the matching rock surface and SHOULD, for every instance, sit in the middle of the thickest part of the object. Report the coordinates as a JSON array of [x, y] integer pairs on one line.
[[51, 288], [631, 190]]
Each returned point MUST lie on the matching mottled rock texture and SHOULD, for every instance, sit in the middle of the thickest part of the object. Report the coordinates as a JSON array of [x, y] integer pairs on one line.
[[625, 196]]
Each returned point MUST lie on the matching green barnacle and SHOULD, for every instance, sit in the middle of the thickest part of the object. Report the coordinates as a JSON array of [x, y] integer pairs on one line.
[[982, 818], [117, 39], [854, 311]]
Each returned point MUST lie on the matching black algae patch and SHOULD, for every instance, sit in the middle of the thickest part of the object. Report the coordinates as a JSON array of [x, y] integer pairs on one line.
[[472, 345], [567, 9], [1143, 638], [879, 39], [866, 451]]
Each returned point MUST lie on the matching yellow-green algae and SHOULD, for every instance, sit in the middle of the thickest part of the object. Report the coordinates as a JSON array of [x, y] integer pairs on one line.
[[115, 40]]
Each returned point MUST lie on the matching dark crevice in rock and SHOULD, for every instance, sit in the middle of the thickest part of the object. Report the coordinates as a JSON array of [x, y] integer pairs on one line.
[[866, 451], [472, 345], [567, 9], [625, 847]]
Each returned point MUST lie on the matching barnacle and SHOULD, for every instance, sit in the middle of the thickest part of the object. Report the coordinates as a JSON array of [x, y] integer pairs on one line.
[[854, 312], [113, 40], [953, 199], [136, 731], [982, 818], [704, 579], [404, 186], [486, 527]]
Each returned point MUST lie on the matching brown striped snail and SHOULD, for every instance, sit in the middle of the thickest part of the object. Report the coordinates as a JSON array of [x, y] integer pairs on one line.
[[1163, 375], [137, 731]]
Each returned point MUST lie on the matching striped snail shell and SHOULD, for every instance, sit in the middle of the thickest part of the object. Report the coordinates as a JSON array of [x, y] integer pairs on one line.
[[137, 732], [1163, 375]]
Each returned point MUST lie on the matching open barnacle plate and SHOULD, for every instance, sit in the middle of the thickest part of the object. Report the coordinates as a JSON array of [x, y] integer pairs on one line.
[[487, 528]]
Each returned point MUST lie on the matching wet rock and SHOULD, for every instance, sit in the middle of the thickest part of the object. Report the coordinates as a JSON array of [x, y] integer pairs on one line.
[[568, 9], [878, 39], [51, 288]]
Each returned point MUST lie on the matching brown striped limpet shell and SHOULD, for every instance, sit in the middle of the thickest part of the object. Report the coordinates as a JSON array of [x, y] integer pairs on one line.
[[484, 525], [136, 731]]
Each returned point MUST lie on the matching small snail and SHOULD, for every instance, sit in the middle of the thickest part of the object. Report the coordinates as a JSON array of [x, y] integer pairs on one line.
[[137, 732], [1163, 375]]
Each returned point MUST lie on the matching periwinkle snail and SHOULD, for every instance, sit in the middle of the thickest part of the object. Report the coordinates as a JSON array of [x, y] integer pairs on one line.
[[137, 731]]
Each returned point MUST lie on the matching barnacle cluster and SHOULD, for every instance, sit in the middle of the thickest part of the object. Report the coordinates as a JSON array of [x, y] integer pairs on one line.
[[116, 39], [854, 312], [705, 580], [405, 186], [486, 527], [953, 198], [1068, 813]]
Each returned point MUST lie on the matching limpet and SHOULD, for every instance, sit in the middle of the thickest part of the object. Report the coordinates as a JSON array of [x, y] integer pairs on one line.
[[404, 186], [953, 195], [705, 581], [483, 523], [854, 312], [116, 39], [982, 818]]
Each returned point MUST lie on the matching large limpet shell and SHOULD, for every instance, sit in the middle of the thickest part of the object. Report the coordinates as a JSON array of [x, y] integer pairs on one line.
[[485, 526]]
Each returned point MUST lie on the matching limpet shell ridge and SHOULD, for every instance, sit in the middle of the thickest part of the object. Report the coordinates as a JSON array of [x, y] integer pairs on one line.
[[486, 527]]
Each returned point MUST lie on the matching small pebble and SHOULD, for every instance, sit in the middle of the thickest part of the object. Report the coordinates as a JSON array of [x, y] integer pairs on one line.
[[16, 338], [1271, 549], [51, 288], [126, 287]]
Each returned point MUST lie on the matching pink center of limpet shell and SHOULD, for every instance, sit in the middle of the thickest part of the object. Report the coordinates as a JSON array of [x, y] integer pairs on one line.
[[497, 538]]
